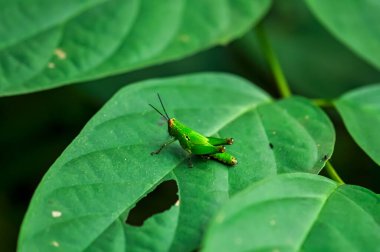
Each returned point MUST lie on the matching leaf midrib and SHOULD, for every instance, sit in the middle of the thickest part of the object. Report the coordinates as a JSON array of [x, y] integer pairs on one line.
[[323, 204]]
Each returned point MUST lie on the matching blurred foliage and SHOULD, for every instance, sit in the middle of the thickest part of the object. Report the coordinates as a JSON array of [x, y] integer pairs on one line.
[[36, 128], [314, 62]]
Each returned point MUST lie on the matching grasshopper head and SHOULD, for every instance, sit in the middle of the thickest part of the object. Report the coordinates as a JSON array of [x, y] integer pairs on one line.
[[171, 122], [171, 125]]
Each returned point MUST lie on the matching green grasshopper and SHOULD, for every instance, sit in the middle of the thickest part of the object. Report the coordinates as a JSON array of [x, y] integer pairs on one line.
[[194, 142]]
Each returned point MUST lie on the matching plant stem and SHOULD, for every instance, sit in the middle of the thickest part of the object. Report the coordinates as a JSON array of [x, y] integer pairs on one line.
[[323, 103], [274, 64], [332, 173]]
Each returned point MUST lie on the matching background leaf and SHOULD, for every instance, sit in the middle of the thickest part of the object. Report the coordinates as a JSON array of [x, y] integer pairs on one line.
[[352, 24], [360, 110], [315, 63], [107, 169], [297, 212], [50, 43]]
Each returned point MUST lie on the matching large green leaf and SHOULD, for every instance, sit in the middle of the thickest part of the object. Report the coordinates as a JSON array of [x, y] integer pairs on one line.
[[107, 169], [297, 212], [45, 44], [354, 22], [360, 110]]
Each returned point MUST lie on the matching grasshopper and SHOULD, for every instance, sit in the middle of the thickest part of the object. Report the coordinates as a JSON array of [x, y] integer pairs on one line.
[[195, 143]]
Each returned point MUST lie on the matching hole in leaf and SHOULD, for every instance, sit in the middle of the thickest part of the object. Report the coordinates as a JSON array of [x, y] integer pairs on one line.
[[159, 200]]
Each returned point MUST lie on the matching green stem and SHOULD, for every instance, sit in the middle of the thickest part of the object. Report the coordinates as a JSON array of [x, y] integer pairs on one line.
[[324, 103], [274, 64], [332, 173]]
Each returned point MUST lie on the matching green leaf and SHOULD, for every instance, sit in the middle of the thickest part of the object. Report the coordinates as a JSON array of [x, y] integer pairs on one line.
[[108, 168], [302, 137], [292, 39], [360, 110], [355, 24], [297, 212], [141, 239], [45, 44], [181, 228]]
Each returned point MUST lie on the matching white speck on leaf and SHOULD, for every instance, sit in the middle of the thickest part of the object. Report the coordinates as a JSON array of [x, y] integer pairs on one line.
[[177, 203], [56, 214], [55, 244], [51, 65], [61, 54]]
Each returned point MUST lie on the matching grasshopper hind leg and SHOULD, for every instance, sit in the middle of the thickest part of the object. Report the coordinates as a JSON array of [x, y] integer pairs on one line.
[[220, 141], [225, 158]]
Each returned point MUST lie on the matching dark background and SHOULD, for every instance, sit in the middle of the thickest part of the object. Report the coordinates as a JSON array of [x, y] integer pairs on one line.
[[36, 128]]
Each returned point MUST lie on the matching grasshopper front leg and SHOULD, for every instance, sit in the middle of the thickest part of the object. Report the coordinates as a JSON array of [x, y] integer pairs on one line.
[[163, 146]]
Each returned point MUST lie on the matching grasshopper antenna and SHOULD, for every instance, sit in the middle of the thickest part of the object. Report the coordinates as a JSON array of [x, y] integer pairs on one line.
[[159, 97], [159, 112]]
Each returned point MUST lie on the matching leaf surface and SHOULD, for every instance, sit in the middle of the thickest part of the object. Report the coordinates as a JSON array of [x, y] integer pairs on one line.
[[355, 24], [108, 168], [297, 212]]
